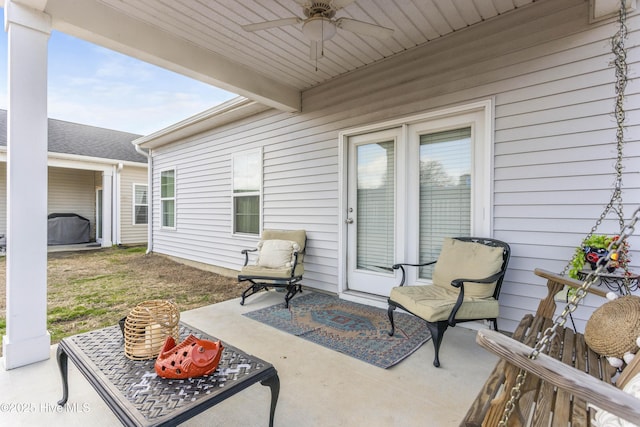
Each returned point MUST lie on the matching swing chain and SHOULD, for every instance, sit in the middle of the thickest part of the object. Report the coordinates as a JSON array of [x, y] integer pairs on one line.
[[620, 65], [551, 332]]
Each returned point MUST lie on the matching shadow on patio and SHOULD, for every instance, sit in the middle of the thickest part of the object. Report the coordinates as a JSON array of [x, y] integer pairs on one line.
[[319, 387]]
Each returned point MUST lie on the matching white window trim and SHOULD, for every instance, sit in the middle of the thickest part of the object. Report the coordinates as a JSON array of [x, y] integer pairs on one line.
[[259, 193], [174, 198], [134, 204], [483, 192]]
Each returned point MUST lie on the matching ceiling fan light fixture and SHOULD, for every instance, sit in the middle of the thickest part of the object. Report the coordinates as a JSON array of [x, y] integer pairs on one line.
[[318, 28]]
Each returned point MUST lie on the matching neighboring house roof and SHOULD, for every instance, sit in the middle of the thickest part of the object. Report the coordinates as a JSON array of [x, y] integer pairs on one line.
[[85, 140]]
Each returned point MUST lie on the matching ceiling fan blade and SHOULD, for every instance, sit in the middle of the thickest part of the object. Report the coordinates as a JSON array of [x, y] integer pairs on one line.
[[271, 24], [339, 4], [364, 28]]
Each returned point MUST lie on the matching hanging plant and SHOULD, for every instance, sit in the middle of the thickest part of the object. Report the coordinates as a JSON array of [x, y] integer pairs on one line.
[[593, 250]]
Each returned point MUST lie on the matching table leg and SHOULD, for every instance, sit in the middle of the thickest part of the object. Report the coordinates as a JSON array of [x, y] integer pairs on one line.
[[63, 359], [274, 384]]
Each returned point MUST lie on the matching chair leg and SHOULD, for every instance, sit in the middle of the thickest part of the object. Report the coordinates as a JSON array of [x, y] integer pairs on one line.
[[437, 330], [390, 314], [495, 324], [255, 287], [291, 291]]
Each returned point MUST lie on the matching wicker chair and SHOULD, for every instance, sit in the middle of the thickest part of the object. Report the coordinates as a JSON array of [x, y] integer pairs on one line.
[[467, 278], [280, 263]]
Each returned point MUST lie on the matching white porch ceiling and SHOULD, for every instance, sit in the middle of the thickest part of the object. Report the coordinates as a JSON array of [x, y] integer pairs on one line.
[[283, 53], [204, 39]]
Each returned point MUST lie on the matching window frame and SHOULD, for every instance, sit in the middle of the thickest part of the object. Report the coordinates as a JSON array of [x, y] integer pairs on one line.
[[134, 204], [259, 193], [164, 199]]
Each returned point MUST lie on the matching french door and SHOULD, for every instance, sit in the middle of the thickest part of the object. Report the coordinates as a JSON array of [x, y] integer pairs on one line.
[[373, 210], [408, 187]]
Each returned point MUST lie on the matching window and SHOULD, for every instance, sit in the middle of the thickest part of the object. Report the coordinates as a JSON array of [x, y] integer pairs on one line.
[[168, 198], [247, 183], [140, 204]]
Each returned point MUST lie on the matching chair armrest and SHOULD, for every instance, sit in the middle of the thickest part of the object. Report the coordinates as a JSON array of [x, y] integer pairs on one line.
[[401, 266], [245, 252], [567, 281], [459, 283], [555, 283], [295, 263]]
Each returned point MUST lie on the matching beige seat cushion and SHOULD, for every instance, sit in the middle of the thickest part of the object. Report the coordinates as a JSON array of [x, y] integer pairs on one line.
[[265, 272], [467, 260], [434, 303]]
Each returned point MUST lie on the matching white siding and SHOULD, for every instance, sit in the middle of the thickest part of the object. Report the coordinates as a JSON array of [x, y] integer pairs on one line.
[[73, 191], [548, 71], [130, 233]]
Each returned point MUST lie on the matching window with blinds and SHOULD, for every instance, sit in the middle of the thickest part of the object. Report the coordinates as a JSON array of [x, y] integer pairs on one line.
[[140, 204], [445, 191], [375, 206]]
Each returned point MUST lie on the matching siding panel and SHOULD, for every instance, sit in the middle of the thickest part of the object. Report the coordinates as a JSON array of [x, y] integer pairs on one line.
[[130, 233]]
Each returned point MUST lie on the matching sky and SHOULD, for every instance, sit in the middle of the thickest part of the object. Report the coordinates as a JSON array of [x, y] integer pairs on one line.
[[92, 85]]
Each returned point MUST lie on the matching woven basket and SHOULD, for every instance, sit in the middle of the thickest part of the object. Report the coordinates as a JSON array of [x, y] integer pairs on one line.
[[613, 328], [147, 326]]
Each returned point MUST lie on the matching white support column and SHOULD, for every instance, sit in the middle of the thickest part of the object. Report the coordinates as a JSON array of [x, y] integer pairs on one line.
[[107, 198], [27, 339]]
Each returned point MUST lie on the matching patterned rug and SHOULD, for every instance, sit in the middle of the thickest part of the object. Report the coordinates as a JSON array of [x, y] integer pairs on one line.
[[356, 330]]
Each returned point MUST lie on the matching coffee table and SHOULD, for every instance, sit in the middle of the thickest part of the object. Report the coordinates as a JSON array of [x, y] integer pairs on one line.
[[138, 397]]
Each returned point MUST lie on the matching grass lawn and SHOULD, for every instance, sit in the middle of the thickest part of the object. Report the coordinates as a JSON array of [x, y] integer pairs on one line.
[[92, 289]]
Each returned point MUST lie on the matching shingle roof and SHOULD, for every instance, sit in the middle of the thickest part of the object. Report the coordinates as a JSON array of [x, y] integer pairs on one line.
[[84, 140]]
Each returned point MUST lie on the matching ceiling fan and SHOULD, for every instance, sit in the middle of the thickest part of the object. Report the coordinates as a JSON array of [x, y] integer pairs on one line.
[[319, 24]]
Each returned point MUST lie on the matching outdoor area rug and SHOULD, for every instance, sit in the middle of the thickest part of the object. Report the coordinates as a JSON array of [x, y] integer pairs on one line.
[[354, 329]]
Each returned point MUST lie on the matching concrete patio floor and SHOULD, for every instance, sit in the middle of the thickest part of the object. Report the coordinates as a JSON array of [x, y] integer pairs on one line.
[[319, 387]]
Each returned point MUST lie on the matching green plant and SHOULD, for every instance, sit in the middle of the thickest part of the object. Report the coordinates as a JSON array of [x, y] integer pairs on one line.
[[596, 242]]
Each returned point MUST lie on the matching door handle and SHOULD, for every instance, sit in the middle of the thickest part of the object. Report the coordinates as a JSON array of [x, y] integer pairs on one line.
[[348, 221]]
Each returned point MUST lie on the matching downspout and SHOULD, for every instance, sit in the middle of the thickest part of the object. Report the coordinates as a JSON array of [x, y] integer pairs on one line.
[[147, 154], [117, 194]]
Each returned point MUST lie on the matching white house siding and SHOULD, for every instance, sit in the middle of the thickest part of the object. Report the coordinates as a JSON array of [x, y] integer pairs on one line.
[[130, 233], [73, 191], [548, 72]]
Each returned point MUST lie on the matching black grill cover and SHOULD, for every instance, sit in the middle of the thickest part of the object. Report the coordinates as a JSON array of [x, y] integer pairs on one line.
[[67, 229]]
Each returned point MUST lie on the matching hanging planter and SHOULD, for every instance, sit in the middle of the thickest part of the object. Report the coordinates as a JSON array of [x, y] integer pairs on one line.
[[594, 250]]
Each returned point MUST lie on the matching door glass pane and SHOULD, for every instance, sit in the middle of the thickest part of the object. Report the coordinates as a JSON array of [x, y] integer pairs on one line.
[[375, 206], [445, 191]]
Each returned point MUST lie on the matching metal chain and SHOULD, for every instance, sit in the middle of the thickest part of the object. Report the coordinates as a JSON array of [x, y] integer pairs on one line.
[[620, 64], [615, 246]]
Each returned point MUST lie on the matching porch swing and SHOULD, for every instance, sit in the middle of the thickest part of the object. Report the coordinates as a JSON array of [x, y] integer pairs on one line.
[[546, 374]]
